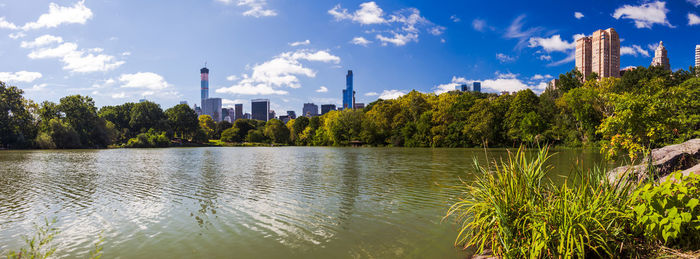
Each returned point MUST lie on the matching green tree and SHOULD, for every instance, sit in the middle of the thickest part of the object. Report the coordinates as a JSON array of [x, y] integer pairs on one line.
[[244, 126], [207, 124], [584, 104], [231, 135], [522, 121], [16, 122], [147, 115], [298, 126], [276, 131], [220, 127], [81, 114], [183, 120]]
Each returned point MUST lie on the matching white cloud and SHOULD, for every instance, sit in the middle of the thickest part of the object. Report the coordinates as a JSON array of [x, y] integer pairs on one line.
[[369, 13], [696, 3], [634, 50], [479, 24], [300, 43], [545, 57], [371, 94], [645, 15], [39, 87], [404, 23], [228, 103], [360, 41], [578, 15], [515, 31], [120, 95], [454, 18], [7, 25], [144, 80], [504, 58], [256, 8], [554, 43], [322, 89], [17, 35], [541, 77], [75, 60], [232, 78], [570, 58], [41, 41], [281, 71], [504, 82], [58, 15], [126, 53], [19, 77], [391, 94], [693, 19]]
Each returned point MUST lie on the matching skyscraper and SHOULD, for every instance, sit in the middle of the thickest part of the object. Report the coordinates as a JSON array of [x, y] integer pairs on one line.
[[604, 55], [239, 111], [697, 56], [325, 108], [260, 109], [661, 57], [212, 107], [204, 73], [309, 110], [348, 92], [476, 87]]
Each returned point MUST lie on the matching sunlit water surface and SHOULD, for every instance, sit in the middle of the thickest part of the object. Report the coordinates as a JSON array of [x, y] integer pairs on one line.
[[281, 202]]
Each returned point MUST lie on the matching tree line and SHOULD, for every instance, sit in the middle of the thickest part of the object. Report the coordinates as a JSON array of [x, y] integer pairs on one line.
[[645, 108]]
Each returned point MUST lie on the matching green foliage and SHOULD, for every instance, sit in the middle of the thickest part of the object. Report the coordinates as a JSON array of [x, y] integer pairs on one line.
[[276, 131], [16, 127], [256, 136], [149, 139], [207, 124], [183, 120], [147, 115], [669, 211], [220, 127], [231, 135], [512, 210], [38, 246]]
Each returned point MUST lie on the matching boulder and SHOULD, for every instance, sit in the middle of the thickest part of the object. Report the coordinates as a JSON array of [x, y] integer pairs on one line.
[[666, 160]]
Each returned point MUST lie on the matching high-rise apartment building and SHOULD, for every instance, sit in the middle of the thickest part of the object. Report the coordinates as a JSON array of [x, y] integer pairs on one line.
[[697, 56], [260, 109], [309, 110], [204, 89], [661, 57], [476, 87], [348, 92], [239, 111], [325, 108], [604, 55]]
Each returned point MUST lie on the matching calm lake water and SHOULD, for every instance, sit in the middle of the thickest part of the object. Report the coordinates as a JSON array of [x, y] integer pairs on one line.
[[248, 202]]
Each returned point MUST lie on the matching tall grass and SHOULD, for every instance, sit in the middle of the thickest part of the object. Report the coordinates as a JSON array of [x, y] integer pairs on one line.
[[514, 210]]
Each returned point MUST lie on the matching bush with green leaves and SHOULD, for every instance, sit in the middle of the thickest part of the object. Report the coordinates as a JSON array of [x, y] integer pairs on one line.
[[150, 139], [670, 211]]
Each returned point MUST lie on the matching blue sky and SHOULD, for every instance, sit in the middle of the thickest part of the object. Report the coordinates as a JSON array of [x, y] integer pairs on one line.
[[299, 51]]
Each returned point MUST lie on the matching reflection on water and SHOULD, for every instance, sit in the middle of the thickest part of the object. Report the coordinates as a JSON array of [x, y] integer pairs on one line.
[[292, 202]]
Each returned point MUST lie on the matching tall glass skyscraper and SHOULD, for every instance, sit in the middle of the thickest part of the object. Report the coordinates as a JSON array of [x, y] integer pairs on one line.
[[205, 84], [260, 109], [348, 92]]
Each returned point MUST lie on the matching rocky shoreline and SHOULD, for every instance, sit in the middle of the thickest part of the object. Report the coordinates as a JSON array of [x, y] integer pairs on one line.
[[684, 157]]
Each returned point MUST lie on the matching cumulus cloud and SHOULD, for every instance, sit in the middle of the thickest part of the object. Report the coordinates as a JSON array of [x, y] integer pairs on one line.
[[58, 15], [41, 41], [4, 24], [17, 35], [371, 94], [74, 60], [633, 50], [369, 13], [578, 15], [554, 43], [120, 95], [545, 57], [696, 3], [144, 80], [300, 43], [391, 94], [322, 89], [693, 19], [228, 103], [645, 15], [541, 77], [504, 58], [232, 78], [281, 71], [256, 8], [19, 77], [479, 24], [404, 24], [360, 41], [503, 82]]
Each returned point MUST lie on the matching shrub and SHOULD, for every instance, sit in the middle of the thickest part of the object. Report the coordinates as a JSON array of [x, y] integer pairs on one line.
[[149, 140], [230, 135], [44, 141], [670, 211]]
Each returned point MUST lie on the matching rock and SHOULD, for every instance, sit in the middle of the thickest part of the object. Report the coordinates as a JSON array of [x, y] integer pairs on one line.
[[665, 160]]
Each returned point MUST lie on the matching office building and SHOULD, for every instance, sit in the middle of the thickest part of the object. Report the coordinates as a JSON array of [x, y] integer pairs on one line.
[[260, 109], [309, 110], [661, 57], [212, 107], [697, 56], [599, 53], [359, 106], [228, 114], [198, 110], [143, 100], [463, 88], [292, 115], [348, 92], [325, 108], [476, 87], [247, 116], [183, 102], [272, 115], [239, 111]]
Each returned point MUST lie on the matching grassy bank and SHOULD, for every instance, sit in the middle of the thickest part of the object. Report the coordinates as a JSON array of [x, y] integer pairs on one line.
[[513, 211]]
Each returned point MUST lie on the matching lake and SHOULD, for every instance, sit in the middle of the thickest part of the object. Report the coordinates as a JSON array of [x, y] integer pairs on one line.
[[244, 202]]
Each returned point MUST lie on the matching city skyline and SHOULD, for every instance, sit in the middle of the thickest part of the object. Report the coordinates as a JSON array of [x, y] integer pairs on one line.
[[58, 48]]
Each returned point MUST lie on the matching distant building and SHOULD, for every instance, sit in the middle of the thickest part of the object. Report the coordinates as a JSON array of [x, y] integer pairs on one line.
[[348, 92], [212, 107], [272, 115], [359, 106], [476, 87], [325, 108], [143, 100], [247, 116], [239, 111], [505, 93], [260, 109], [228, 114], [309, 110], [463, 88], [553, 84], [292, 115], [661, 57], [284, 119], [198, 110], [697, 56], [627, 69], [183, 102], [204, 86], [599, 53]]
